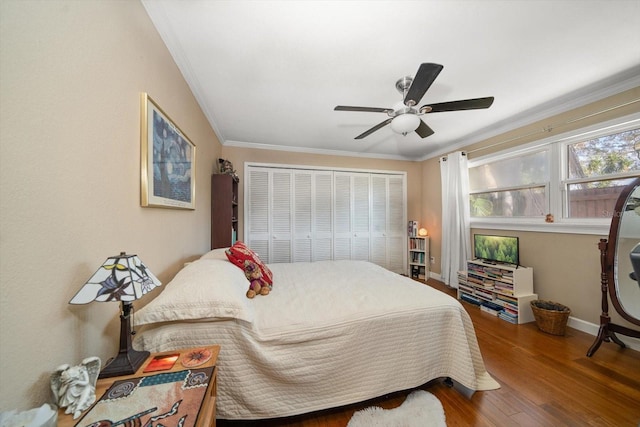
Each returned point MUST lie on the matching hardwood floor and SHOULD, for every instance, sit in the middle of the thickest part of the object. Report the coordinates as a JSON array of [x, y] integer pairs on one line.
[[545, 380]]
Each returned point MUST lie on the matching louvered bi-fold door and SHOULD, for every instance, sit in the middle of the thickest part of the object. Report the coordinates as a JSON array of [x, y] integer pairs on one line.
[[257, 230], [289, 214], [396, 225], [313, 231], [302, 217], [387, 222], [270, 214], [379, 194], [351, 215], [323, 216], [281, 217]]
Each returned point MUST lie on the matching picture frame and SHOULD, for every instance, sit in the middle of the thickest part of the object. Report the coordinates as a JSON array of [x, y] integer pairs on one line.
[[167, 160]]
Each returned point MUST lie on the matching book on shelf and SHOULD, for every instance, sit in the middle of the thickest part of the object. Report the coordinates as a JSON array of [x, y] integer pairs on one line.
[[507, 301], [412, 228], [488, 310], [474, 279], [462, 280], [465, 288], [484, 293], [511, 311], [471, 299], [502, 315], [418, 257], [491, 307], [417, 244], [504, 289]]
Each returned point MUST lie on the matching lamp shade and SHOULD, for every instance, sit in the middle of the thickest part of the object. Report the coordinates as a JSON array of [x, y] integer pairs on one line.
[[120, 278], [405, 123]]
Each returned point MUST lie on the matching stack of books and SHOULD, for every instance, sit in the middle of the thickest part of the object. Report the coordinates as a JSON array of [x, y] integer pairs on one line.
[[462, 277], [471, 299], [508, 316], [491, 308], [412, 229]]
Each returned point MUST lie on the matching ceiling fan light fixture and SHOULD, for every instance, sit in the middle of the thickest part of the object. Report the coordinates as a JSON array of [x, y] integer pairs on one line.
[[405, 123]]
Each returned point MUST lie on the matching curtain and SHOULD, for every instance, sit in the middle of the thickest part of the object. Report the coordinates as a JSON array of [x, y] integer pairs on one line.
[[456, 234]]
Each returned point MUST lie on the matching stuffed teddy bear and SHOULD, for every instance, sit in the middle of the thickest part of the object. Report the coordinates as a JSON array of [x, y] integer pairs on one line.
[[257, 284]]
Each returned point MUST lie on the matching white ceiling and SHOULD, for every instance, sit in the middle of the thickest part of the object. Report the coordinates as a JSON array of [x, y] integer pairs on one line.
[[269, 73]]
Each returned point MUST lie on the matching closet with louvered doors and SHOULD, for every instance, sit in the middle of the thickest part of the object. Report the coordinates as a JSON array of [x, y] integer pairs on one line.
[[288, 214], [297, 214]]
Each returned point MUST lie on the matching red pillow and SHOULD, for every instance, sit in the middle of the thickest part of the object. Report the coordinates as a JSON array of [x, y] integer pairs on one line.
[[239, 253]]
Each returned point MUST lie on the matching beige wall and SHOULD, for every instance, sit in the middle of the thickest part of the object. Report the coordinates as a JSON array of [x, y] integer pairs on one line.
[[566, 266], [238, 156], [70, 76]]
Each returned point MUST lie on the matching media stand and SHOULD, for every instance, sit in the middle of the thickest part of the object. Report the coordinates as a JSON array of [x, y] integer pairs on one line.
[[508, 286]]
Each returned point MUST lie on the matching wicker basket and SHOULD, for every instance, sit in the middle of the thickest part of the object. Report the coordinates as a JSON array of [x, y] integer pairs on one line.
[[551, 317]]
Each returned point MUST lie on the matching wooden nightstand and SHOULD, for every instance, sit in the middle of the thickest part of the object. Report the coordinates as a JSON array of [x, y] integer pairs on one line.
[[207, 414]]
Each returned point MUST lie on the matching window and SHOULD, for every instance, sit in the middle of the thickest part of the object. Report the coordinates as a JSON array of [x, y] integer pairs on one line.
[[512, 187], [597, 170], [572, 180]]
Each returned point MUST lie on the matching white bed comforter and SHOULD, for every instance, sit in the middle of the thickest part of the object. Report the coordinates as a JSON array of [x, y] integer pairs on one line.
[[331, 333]]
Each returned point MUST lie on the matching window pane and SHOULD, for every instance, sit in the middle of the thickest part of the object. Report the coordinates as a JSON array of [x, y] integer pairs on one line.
[[515, 203], [595, 199], [528, 169], [606, 155]]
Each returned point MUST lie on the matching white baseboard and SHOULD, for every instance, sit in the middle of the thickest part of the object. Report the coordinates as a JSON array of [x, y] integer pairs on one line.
[[592, 329], [435, 276]]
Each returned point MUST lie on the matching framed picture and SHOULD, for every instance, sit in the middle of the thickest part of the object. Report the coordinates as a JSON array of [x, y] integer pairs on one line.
[[167, 160]]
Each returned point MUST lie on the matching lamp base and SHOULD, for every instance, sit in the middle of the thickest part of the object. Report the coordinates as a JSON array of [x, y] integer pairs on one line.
[[125, 363]]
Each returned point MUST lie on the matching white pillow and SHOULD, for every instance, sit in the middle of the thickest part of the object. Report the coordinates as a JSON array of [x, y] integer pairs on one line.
[[216, 254], [206, 289]]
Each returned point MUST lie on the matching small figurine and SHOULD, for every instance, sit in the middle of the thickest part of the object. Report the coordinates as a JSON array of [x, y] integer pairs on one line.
[[74, 387], [548, 218], [226, 168]]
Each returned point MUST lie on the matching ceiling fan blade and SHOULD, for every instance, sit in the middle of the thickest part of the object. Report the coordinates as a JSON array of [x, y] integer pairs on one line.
[[373, 129], [465, 104], [425, 76], [424, 130], [363, 109]]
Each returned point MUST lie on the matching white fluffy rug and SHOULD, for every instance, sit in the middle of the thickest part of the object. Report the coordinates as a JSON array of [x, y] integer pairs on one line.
[[420, 409]]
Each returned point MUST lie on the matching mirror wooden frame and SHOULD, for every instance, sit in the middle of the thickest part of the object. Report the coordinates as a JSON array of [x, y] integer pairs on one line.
[[609, 284]]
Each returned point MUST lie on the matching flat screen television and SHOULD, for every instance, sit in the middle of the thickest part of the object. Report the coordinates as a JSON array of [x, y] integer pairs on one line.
[[496, 249]]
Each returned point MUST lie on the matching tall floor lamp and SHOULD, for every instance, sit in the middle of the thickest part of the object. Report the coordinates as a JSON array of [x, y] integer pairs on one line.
[[122, 278]]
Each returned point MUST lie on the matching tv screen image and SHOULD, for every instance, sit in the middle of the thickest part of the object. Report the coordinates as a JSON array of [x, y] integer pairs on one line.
[[503, 249]]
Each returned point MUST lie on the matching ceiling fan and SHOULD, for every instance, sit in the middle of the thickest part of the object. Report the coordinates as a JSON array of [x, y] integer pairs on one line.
[[404, 116]]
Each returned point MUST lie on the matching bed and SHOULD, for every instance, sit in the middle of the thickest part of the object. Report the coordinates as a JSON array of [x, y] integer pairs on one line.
[[330, 333]]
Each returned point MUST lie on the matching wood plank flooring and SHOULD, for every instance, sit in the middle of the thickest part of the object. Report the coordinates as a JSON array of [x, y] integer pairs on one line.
[[545, 380]]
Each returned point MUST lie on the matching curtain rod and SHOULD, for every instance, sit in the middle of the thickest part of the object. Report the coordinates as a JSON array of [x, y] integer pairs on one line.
[[551, 127], [444, 158]]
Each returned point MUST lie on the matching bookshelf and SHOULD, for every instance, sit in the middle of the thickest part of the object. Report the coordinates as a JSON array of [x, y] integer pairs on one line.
[[224, 210], [502, 290], [418, 258]]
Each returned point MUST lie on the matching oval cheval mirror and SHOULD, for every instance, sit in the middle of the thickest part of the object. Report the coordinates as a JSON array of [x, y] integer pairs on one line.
[[620, 260]]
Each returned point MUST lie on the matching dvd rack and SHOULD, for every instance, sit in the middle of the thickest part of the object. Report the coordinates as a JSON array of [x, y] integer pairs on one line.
[[504, 291]]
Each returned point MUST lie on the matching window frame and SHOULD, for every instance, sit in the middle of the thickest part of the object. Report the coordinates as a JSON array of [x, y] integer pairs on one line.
[[558, 181]]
